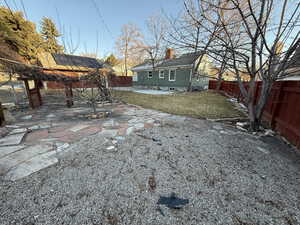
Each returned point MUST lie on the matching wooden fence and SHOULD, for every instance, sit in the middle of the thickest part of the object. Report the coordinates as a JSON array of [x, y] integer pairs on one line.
[[282, 111], [113, 81]]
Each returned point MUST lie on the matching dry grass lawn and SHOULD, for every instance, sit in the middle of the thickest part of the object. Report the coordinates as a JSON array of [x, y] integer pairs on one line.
[[205, 104]]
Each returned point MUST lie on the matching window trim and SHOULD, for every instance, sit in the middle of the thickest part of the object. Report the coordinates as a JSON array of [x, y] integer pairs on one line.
[[163, 76], [150, 77], [174, 74]]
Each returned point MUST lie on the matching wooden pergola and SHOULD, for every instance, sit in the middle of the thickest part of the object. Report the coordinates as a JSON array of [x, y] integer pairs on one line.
[[38, 74]]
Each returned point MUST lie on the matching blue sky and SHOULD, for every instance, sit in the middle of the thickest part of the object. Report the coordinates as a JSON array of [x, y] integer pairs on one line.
[[81, 17]]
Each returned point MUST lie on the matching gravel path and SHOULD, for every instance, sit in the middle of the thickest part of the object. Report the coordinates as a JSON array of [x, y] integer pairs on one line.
[[229, 178]]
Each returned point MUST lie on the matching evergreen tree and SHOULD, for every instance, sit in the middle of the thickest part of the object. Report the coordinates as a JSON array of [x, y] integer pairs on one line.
[[112, 60], [50, 34], [20, 34]]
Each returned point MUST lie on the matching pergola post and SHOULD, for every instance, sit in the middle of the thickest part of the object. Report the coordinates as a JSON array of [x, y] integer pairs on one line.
[[37, 88], [34, 95], [2, 118], [28, 93], [69, 94]]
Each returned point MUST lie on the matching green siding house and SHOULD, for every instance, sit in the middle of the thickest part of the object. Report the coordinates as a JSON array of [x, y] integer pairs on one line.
[[172, 73]]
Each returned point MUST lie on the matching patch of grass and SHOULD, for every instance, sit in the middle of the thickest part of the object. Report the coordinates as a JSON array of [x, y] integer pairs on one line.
[[206, 104]]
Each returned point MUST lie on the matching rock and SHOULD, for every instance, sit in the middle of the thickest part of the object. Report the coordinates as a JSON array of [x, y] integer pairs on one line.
[[3, 131], [8, 105], [223, 132], [241, 124], [139, 126], [129, 130], [39, 126], [110, 147], [60, 146], [12, 126], [152, 183], [28, 117], [51, 116], [94, 116], [8, 117], [232, 99], [263, 150], [241, 128], [242, 106], [120, 138], [269, 133], [217, 127]]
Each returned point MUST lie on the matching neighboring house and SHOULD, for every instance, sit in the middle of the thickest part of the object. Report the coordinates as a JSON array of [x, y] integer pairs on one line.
[[66, 62], [172, 73], [227, 75], [293, 72], [67, 65]]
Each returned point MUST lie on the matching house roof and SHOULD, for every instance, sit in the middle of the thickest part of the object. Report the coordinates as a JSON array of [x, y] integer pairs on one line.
[[295, 60], [74, 60], [68, 62], [183, 60]]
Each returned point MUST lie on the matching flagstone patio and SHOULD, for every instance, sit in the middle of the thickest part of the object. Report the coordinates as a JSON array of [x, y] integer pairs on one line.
[[37, 136]]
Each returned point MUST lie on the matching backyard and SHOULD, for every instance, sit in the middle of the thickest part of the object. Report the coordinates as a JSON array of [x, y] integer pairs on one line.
[[205, 104], [65, 168]]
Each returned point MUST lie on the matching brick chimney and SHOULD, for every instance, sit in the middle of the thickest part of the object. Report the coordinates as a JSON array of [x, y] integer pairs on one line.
[[170, 53]]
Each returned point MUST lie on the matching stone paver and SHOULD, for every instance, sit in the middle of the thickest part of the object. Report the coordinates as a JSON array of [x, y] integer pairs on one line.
[[18, 130], [36, 135], [6, 150], [18, 157], [14, 139], [30, 166], [78, 127], [49, 131]]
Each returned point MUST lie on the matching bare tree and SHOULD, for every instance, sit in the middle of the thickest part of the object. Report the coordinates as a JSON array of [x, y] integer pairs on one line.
[[193, 31], [129, 45], [154, 44], [269, 37], [95, 89]]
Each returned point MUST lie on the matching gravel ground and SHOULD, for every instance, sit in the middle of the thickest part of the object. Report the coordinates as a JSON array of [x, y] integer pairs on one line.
[[229, 177]]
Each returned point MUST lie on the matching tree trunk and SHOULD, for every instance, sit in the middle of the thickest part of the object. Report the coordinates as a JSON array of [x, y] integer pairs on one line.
[[264, 94], [125, 58], [256, 109], [219, 82], [253, 120], [93, 101], [14, 93]]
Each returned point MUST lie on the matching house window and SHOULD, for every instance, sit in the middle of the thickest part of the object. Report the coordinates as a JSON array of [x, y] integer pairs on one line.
[[135, 77], [161, 74], [150, 74], [172, 75]]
